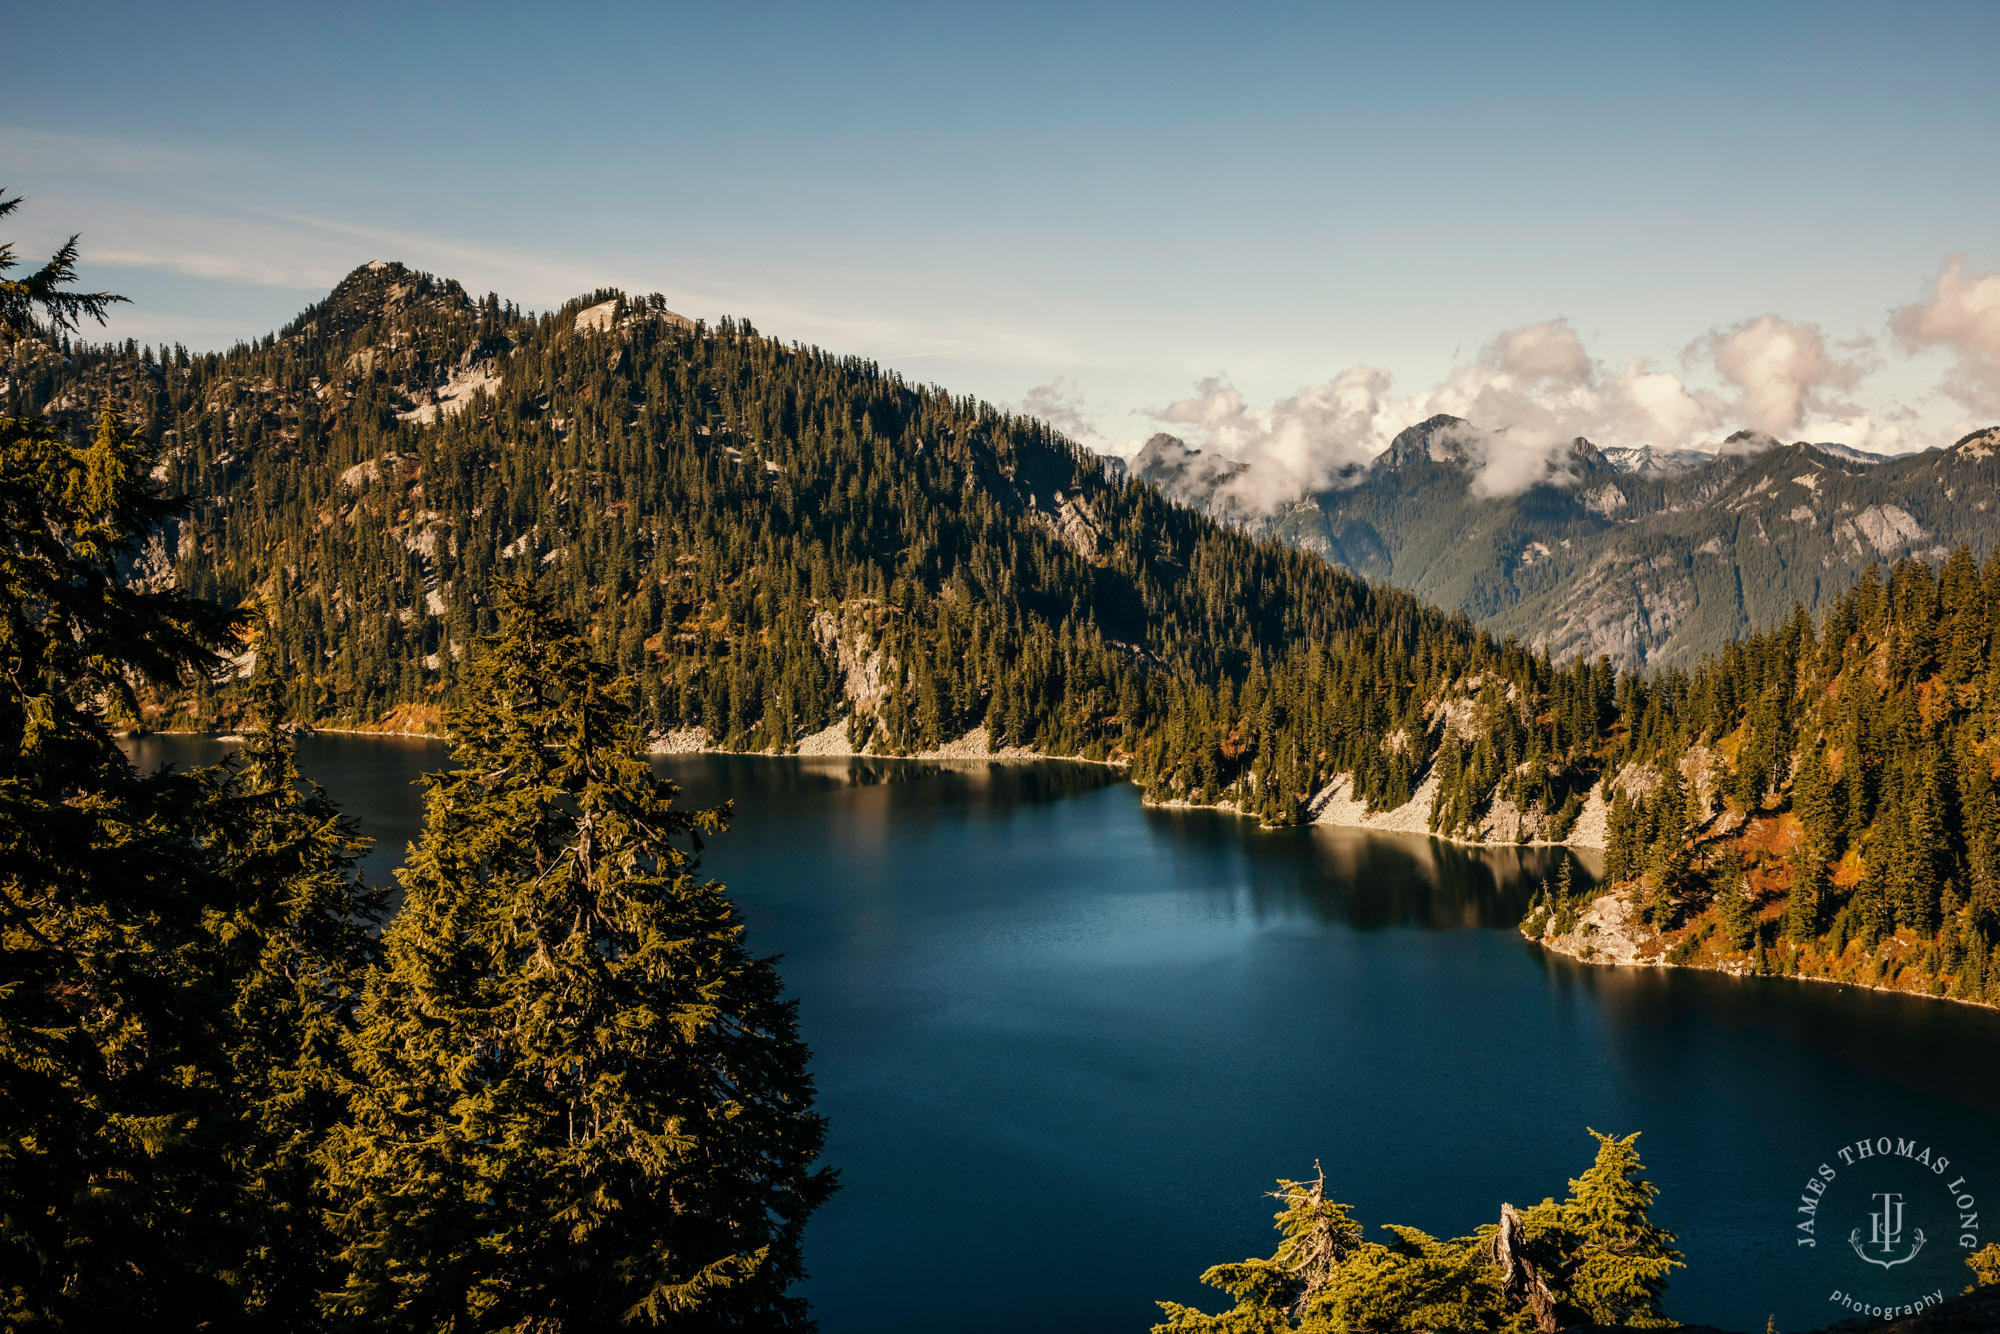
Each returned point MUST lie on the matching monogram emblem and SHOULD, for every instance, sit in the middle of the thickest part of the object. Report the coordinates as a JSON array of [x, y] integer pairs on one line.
[[1885, 1234]]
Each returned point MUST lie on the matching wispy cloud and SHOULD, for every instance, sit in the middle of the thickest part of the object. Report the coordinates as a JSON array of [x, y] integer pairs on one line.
[[183, 211], [1061, 405]]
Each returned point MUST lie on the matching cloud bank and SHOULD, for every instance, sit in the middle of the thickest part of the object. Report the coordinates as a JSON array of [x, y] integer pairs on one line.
[[1527, 395], [1533, 390]]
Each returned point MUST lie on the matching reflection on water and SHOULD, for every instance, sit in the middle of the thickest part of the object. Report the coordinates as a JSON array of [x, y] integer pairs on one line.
[[1064, 1041], [1370, 880], [1362, 879]]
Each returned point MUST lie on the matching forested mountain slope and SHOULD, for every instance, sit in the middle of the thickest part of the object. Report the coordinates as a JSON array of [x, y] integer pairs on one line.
[[1818, 801], [773, 541], [1650, 559]]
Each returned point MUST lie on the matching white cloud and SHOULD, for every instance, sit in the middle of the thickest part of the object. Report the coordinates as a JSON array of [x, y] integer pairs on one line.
[[1962, 314], [1548, 353], [1781, 371], [1307, 442], [1652, 407]]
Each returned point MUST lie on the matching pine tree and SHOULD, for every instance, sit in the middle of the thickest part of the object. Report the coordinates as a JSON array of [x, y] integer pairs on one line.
[[1319, 1235], [1594, 1257], [117, 1198], [581, 1100], [180, 948], [1669, 858], [1733, 903], [299, 940], [1806, 903], [1815, 798], [48, 293], [1616, 1259]]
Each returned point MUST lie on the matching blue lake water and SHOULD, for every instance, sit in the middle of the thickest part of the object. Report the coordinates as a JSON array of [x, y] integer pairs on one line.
[[1065, 1042]]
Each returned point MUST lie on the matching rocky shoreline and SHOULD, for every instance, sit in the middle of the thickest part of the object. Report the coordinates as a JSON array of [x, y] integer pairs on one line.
[[1609, 933], [294, 729], [832, 743], [1333, 806]]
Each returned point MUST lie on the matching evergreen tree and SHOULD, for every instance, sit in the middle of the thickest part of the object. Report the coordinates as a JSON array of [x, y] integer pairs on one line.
[[1616, 1260], [1594, 1257], [1805, 904], [118, 1198], [580, 1100], [1815, 798], [300, 939], [1733, 902], [1318, 1237], [1669, 858], [46, 299], [117, 1201]]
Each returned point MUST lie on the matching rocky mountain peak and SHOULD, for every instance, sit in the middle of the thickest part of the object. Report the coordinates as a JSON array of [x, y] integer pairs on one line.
[[1587, 460], [1180, 471], [1646, 461], [1746, 444], [378, 292], [1979, 445], [1439, 439]]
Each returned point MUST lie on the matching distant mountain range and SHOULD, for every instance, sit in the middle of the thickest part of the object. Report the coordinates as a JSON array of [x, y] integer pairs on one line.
[[1652, 557]]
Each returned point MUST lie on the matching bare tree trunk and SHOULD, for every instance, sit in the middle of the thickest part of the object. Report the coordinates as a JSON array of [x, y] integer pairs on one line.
[[1521, 1279]]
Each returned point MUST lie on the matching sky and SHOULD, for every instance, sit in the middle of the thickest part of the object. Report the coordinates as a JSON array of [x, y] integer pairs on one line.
[[1281, 232]]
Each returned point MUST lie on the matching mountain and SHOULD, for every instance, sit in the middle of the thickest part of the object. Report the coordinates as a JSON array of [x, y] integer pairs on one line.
[[1650, 462], [1653, 559], [785, 549], [789, 551]]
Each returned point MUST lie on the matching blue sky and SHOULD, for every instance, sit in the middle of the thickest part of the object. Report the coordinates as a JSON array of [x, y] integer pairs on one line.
[[1095, 209]]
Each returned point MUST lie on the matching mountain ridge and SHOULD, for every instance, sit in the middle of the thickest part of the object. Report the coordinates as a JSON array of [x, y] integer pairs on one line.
[[1652, 563]]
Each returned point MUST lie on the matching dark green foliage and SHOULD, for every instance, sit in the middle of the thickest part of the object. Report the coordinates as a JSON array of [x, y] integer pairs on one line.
[[192, 1135], [1595, 1257], [49, 292], [1733, 906], [298, 949], [580, 1101], [1805, 904], [1884, 745], [176, 952], [116, 1196]]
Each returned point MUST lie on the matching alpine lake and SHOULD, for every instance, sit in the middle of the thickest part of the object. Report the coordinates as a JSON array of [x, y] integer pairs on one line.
[[1064, 1044]]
